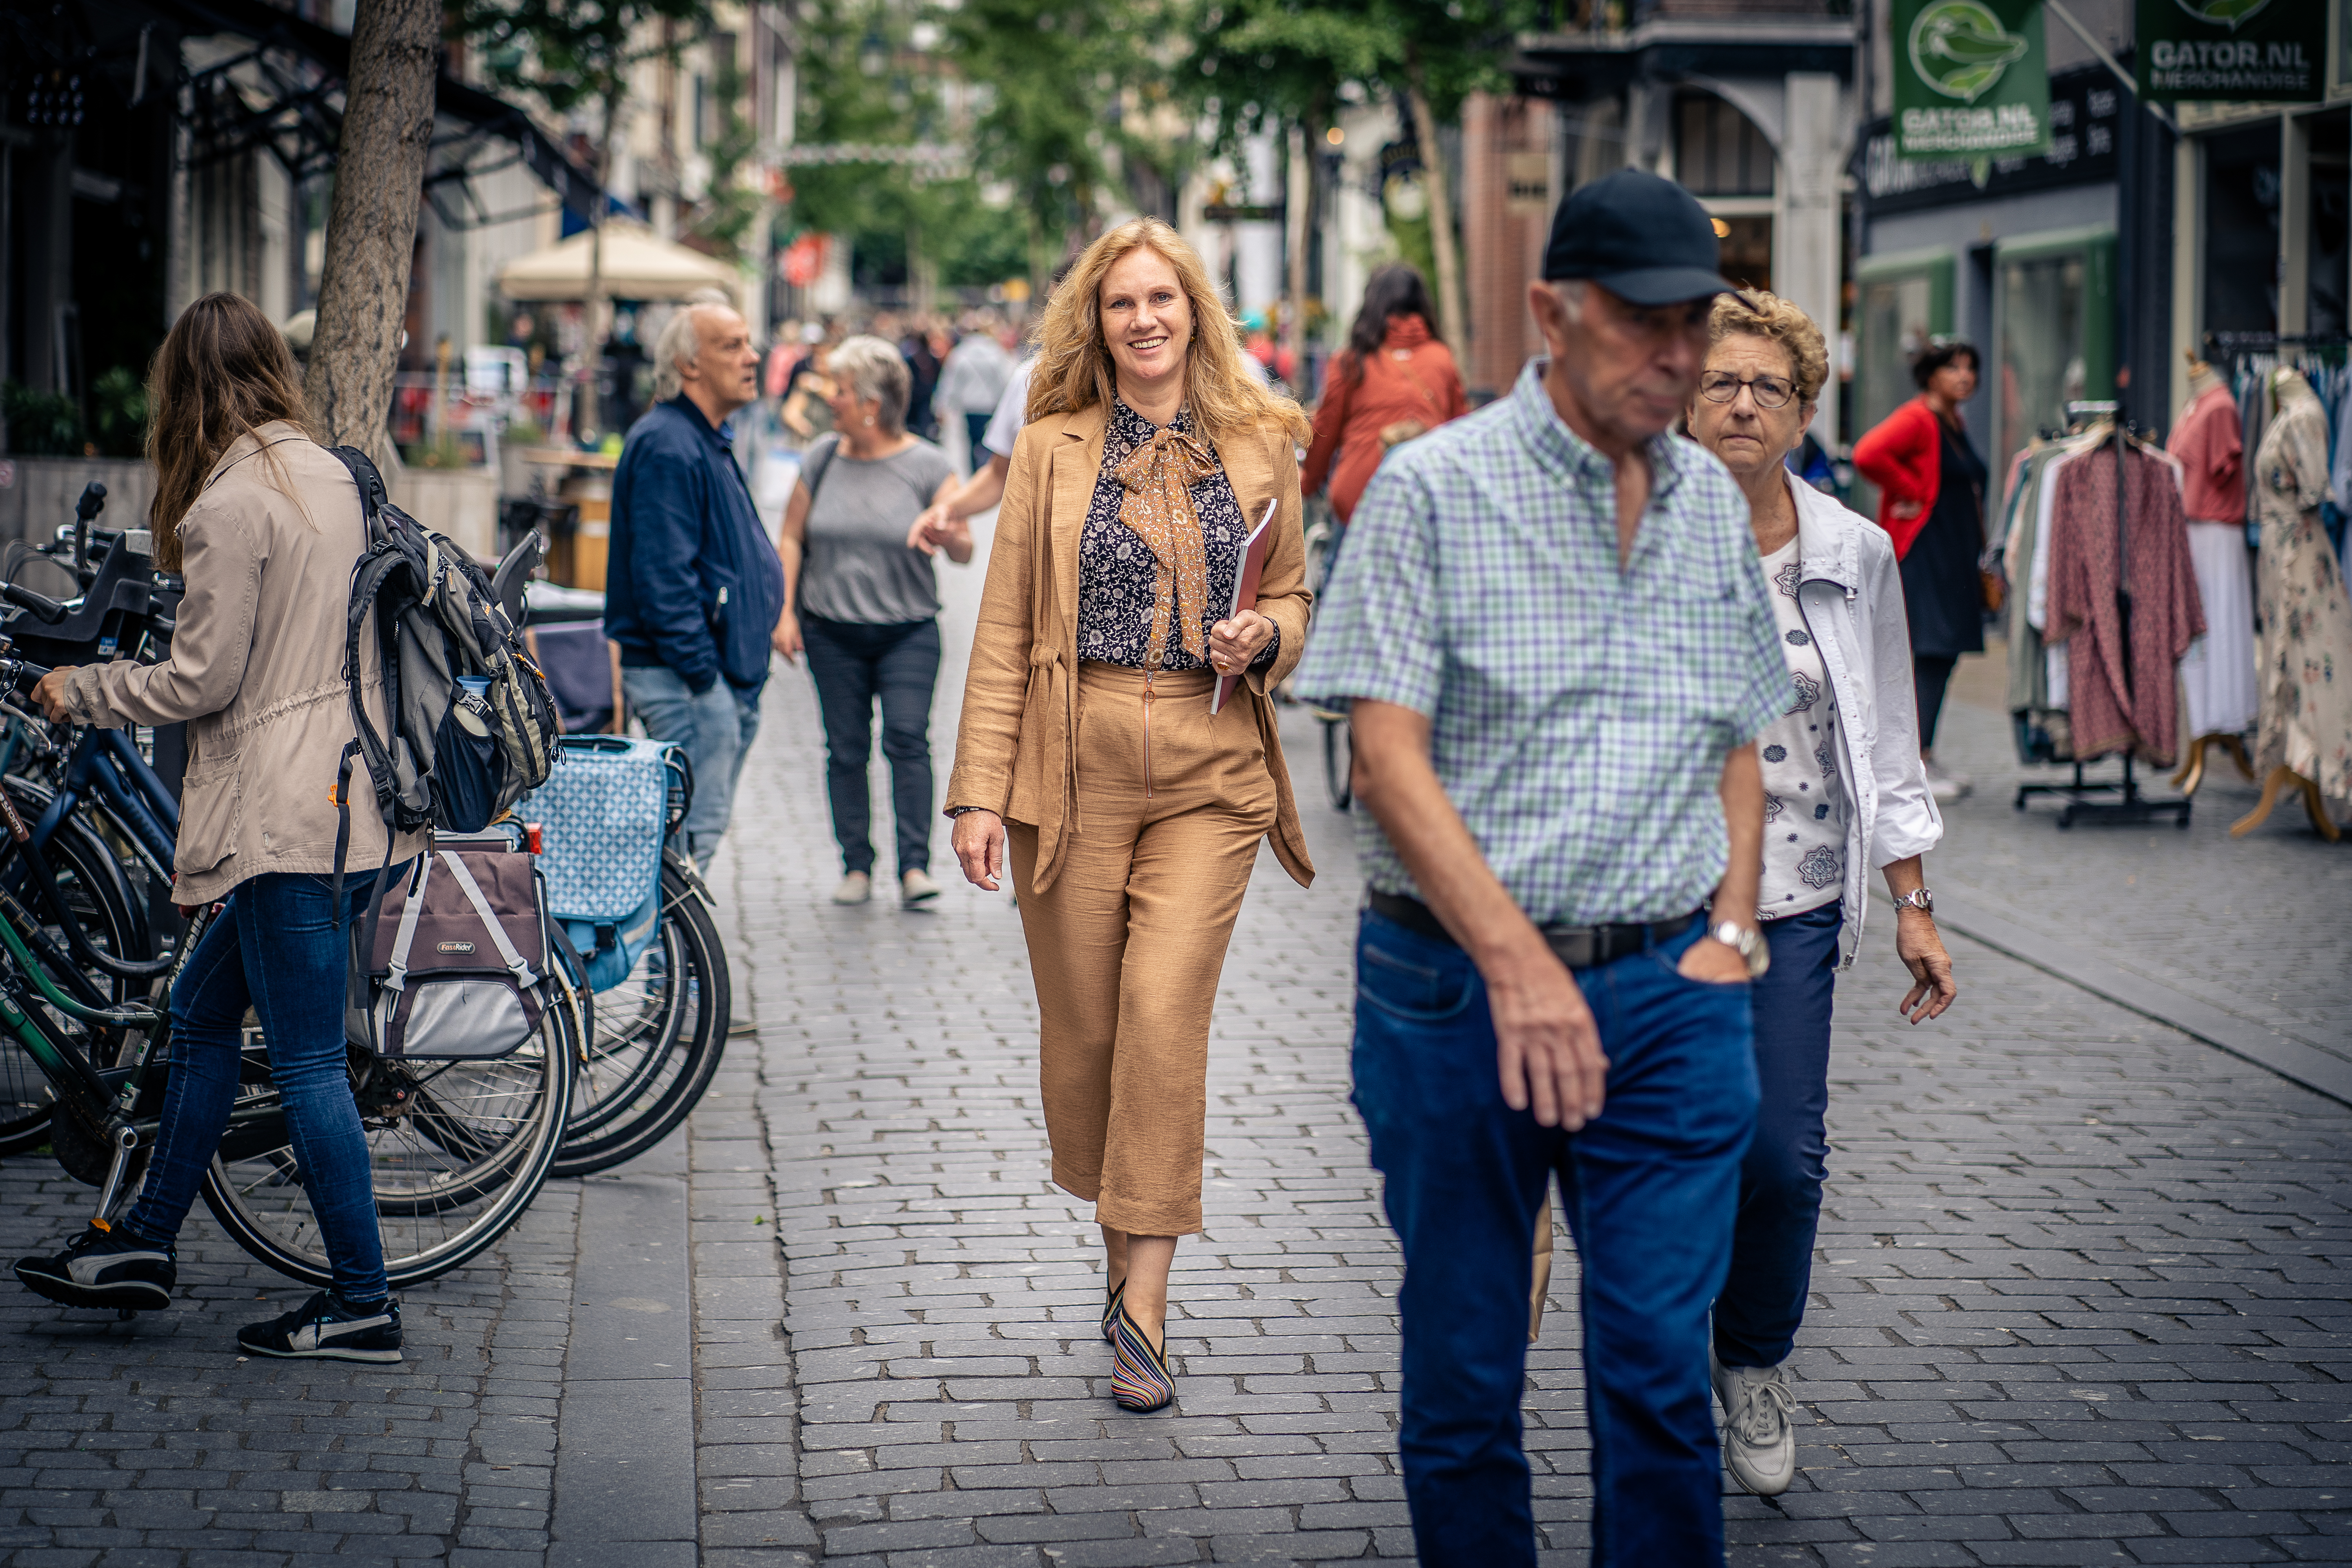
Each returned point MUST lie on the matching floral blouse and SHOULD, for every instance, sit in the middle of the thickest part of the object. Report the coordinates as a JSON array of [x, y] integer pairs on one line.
[[1116, 574]]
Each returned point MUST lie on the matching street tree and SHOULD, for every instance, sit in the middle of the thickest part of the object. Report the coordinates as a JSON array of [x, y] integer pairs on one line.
[[1266, 65], [371, 221], [575, 55]]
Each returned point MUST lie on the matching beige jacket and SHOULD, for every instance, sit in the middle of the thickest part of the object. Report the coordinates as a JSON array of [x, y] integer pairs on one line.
[[257, 671], [1013, 754]]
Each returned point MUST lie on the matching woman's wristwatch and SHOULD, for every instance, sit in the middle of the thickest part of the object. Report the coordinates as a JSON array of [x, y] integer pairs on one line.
[[1747, 941]]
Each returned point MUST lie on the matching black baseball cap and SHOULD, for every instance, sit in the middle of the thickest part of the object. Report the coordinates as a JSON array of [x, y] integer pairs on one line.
[[1643, 239]]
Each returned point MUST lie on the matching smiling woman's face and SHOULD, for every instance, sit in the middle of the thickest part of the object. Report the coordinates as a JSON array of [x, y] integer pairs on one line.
[[1747, 437], [1147, 319]]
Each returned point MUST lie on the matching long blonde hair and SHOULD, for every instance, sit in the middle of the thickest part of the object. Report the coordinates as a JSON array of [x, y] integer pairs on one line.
[[222, 372], [1074, 363]]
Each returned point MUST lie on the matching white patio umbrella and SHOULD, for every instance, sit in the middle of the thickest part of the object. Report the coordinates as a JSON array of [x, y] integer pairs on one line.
[[636, 265]]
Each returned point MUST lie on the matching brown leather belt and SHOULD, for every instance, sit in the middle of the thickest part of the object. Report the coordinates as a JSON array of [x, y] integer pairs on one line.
[[1579, 947]]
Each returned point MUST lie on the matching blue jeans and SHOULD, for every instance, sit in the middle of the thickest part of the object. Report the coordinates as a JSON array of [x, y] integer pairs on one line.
[[277, 950], [1648, 1188], [1763, 1299], [855, 665], [715, 729]]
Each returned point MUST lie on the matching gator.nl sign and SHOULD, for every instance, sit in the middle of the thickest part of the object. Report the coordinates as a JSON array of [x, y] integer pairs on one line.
[[1970, 79], [2243, 51]]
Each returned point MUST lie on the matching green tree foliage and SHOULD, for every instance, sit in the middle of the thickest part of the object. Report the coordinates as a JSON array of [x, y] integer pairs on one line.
[[730, 208], [569, 53], [1077, 95]]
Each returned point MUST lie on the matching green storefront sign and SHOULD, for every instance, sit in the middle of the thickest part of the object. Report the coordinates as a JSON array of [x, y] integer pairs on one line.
[[1970, 79], [2233, 51]]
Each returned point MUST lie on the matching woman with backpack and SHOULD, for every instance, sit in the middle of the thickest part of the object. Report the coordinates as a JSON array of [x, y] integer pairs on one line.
[[264, 524], [861, 596], [1394, 381]]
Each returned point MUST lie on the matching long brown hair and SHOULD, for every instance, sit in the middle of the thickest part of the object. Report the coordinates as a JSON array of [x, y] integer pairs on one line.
[[223, 371], [1074, 363], [1396, 290]]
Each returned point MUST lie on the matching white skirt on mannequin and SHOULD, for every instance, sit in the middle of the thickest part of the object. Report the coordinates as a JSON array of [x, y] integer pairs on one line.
[[2218, 674]]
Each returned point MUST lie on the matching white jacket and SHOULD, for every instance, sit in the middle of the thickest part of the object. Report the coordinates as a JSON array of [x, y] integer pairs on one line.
[[1851, 597]]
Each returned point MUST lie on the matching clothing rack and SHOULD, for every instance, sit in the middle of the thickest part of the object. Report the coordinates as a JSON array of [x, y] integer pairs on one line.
[[2109, 799]]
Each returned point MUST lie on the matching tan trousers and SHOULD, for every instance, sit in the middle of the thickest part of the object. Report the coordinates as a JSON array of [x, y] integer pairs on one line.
[[1127, 943]]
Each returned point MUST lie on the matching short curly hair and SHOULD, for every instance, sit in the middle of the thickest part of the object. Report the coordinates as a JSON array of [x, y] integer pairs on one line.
[[1756, 314]]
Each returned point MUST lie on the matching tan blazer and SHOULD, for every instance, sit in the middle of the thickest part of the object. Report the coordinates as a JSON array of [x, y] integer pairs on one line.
[[257, 671], [1013, 754]]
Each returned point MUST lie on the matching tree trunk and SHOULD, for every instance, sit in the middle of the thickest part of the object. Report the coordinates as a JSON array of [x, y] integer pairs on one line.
[[371, 224], [1298, 213], [588, 423], [1453, 319]]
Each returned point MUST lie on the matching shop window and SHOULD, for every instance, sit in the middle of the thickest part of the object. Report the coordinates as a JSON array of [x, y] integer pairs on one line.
[[1901, 301], [2329, 311], [1746, 250], [2054, 303], [1717, 151], [2242, 230]]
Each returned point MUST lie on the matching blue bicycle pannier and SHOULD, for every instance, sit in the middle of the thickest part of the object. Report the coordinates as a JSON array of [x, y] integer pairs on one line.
[[603, 816]]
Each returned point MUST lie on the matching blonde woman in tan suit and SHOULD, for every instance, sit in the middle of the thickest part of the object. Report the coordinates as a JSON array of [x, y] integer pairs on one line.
[[1088, 755]]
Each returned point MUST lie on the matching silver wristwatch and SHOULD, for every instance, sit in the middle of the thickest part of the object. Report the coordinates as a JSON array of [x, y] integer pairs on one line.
[[1746, 940], [1918, 899]]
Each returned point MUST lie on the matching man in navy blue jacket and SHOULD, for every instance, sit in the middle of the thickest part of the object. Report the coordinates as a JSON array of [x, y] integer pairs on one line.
[[694, 589]]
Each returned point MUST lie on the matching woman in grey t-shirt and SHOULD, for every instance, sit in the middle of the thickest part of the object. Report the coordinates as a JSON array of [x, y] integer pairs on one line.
[[859, 596]]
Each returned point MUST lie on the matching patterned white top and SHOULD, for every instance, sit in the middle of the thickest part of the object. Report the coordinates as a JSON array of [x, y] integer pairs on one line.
[[1805, 800]]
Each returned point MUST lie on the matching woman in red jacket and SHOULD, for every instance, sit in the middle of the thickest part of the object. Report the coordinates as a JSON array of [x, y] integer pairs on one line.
[[1393, 382], [1931, 488]]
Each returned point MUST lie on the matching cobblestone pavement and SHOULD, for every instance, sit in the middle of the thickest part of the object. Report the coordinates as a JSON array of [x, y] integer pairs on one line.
[[2081, 1295]]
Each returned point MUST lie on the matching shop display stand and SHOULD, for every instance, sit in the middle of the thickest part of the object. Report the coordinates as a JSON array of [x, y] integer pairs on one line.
[[2109, 800]]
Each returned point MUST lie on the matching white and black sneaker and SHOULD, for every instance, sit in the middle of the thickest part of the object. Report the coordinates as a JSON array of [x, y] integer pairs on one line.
[[323, 1328], [105, 1267]]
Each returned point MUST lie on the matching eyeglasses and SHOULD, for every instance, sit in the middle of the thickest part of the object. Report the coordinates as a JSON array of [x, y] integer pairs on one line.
[[1770, 391]]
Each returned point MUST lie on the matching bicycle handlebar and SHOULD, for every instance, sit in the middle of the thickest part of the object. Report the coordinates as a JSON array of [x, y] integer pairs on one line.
[[40, 607]]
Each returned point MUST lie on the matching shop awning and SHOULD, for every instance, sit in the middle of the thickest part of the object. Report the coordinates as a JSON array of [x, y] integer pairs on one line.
[[297, 110], [636, 266]]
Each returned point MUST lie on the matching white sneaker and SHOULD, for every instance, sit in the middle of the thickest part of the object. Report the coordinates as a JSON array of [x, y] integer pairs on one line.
[[916, 888], [1759, 1442], [1946, 787], [855, 889]]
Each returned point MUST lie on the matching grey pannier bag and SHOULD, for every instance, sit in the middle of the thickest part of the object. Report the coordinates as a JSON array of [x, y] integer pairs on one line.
[[457, 964]]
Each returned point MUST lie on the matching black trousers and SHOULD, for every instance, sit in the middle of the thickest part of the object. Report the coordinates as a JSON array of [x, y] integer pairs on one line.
[[1930, 673], [855, 665]]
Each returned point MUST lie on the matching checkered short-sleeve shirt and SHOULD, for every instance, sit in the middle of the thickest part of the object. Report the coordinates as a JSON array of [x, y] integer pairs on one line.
[[1580, 715]]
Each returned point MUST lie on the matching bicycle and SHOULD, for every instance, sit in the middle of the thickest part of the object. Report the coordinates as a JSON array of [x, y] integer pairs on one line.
[[457, 1150], [1323, 534]]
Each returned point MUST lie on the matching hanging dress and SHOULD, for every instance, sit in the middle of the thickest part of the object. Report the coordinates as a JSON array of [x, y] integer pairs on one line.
[[2218, 674], [2306, 639]]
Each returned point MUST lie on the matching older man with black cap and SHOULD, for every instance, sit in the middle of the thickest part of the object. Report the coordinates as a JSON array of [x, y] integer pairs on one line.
[[1553, 634]]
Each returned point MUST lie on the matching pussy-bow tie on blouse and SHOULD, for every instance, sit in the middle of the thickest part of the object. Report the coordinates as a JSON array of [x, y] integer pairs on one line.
[[1159, 476]]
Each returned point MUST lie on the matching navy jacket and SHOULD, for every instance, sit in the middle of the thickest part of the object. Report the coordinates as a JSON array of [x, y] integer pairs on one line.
[[693, 582]]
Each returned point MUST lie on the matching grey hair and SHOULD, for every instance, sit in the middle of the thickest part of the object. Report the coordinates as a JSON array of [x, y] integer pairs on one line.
[[681, 339], [1570, 292], [871, 368]]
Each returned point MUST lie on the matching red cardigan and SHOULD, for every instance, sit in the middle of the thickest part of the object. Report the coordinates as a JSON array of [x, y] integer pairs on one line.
[[1905, 458]]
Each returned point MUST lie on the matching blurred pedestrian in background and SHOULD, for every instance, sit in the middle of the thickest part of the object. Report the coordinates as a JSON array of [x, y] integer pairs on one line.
[[863, 598], [1931, 503], [923, 361], [972, 382], [1844, 789], [694, 593], [1131, 814], [1553, 632], [1394, 381]]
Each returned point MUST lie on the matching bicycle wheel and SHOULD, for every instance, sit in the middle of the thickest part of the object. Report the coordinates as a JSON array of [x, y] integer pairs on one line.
[[659, 1038], [458, 1150], [94, 894]]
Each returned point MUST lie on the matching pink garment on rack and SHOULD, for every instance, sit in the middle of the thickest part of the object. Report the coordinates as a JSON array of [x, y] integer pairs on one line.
[[2122, 699], [2210, 447]]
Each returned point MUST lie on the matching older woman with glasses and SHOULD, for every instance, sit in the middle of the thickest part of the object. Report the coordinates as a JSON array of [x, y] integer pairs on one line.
[[861, 594], [1843, 785]]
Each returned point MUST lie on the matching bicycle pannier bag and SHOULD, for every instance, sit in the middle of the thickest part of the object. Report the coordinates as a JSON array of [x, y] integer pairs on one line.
[[458, 966], [604, 815]]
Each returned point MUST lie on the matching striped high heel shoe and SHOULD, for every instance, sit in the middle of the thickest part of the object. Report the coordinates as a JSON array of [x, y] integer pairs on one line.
[[1110, 1307], [1140, 1379]]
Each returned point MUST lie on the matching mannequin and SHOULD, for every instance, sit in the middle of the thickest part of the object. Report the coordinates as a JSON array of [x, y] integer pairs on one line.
[[2218, 673], [2305, 743]]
